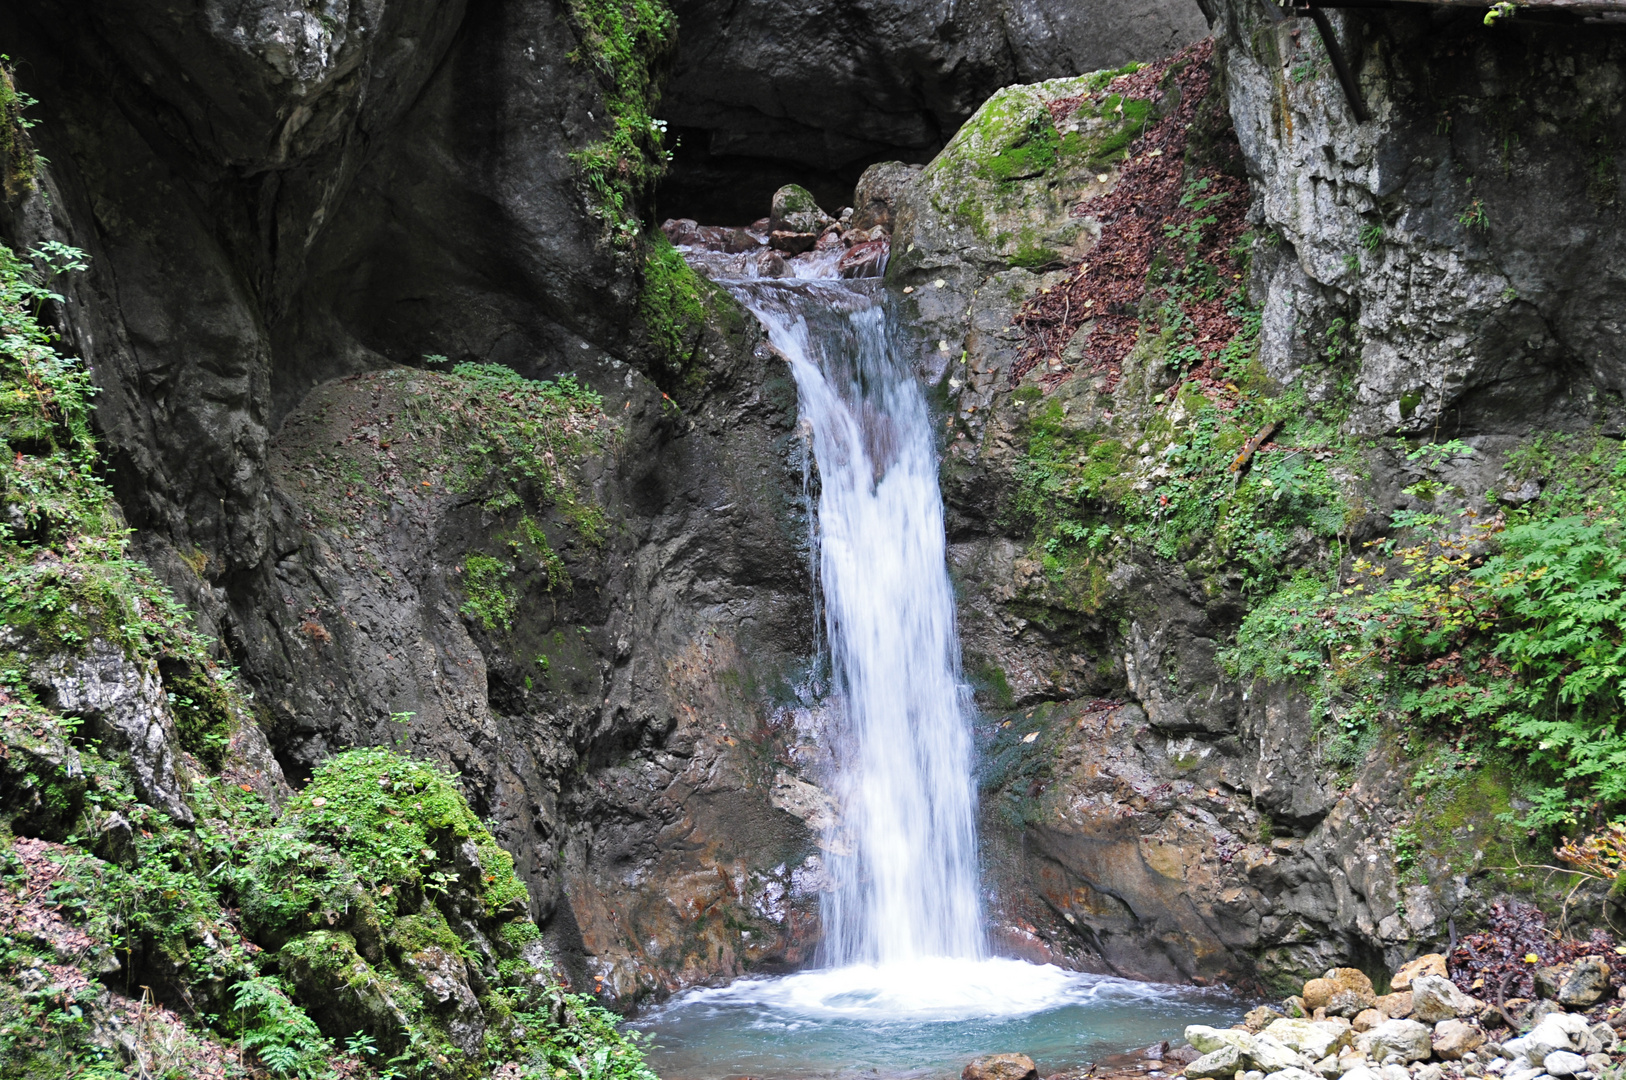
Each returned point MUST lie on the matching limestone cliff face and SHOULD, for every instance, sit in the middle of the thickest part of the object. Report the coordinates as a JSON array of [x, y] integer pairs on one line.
[[1435, 273], [1463, 232]]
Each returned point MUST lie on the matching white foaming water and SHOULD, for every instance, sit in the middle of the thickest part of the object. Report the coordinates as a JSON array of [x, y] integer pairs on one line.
[[906, 887], [934, 988], [910, 993], [915, 1020]]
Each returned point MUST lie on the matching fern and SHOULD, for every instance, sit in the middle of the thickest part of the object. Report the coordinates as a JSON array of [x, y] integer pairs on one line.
[[285, 1038]]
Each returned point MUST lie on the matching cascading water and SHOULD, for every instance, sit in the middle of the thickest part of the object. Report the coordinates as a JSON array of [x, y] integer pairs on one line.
[[908, 888], [908, 988]]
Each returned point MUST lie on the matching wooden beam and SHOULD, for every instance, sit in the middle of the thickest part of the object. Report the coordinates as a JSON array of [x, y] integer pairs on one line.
[[1340, 66], [1578, 6]]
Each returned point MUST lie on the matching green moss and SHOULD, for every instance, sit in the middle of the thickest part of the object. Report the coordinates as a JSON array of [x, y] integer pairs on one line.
[[1107, 130], [65, 573], [1015, 146], [520, 933], [530, 539], [414, 934], [488, 600], [1085, 496], [19, 164], [798, 200], [254, 928], [627, 44], [672, 303], [200, 699], [992, 686]]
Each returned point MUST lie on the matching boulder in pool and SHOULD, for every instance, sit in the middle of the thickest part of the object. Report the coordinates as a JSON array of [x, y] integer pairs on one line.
[[1001, 1067]]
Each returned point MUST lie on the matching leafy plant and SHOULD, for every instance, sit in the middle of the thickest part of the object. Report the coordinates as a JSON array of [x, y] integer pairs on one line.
[[626, 43], [1436, 454], [489, 602], [1474, 215], [279, 1032], [1508, 633]]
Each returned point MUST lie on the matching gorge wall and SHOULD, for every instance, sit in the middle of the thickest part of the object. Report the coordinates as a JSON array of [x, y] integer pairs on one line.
[[1291, 304], [299, 220], [278, 205]]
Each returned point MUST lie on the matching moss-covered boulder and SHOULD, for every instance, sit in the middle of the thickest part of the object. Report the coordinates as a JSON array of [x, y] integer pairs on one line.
[[796, 210], [1003, 190]]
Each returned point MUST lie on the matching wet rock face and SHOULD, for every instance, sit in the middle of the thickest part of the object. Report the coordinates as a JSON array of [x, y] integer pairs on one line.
[[1455, 233], [1169, 819], [280, 205], [768, 93]]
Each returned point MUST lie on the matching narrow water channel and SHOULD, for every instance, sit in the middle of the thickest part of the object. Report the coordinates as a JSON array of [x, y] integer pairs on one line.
[[905, 986]]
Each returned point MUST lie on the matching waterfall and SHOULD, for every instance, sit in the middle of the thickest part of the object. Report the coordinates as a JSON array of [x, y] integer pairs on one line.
[[903, 859]]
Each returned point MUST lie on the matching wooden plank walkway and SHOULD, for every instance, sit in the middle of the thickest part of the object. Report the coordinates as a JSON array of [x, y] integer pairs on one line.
[[1582, 7]]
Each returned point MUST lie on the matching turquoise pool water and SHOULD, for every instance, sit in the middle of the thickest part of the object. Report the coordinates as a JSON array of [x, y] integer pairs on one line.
[[923, 1019]]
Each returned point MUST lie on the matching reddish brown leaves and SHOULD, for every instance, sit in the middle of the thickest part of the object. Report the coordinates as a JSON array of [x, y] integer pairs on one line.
[[1108, 288], [1493, 962]]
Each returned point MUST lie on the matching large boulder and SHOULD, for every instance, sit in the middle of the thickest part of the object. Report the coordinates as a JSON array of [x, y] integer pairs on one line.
[[1350, 986], [126, 708], [1427, 964], [795, 210], [877, 193], [1221, 1064], [1436, 998], [1263, 1052], [1578, 985], [1395, 1006], [1564, 1063], [1554, 1032], [1406, 1040], [1312, 1038], [1208, 1039], [1453, 1038]]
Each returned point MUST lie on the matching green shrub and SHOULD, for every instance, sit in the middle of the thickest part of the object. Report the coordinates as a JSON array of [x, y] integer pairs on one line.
[[1510, 635]]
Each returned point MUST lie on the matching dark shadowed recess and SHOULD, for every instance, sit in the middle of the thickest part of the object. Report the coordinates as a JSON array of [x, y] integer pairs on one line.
[[776, 91]]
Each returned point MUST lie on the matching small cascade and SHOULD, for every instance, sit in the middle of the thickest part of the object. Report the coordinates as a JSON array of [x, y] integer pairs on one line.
[[904, 850]]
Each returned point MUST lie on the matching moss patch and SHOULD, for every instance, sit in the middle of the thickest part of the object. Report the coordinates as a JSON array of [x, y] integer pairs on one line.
[[201, 701], [489, 601], [267, 933], [19, 164], [627, 44]]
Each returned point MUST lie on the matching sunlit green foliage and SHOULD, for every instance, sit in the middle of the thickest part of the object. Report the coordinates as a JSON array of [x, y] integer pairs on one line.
[[1508, 632]]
